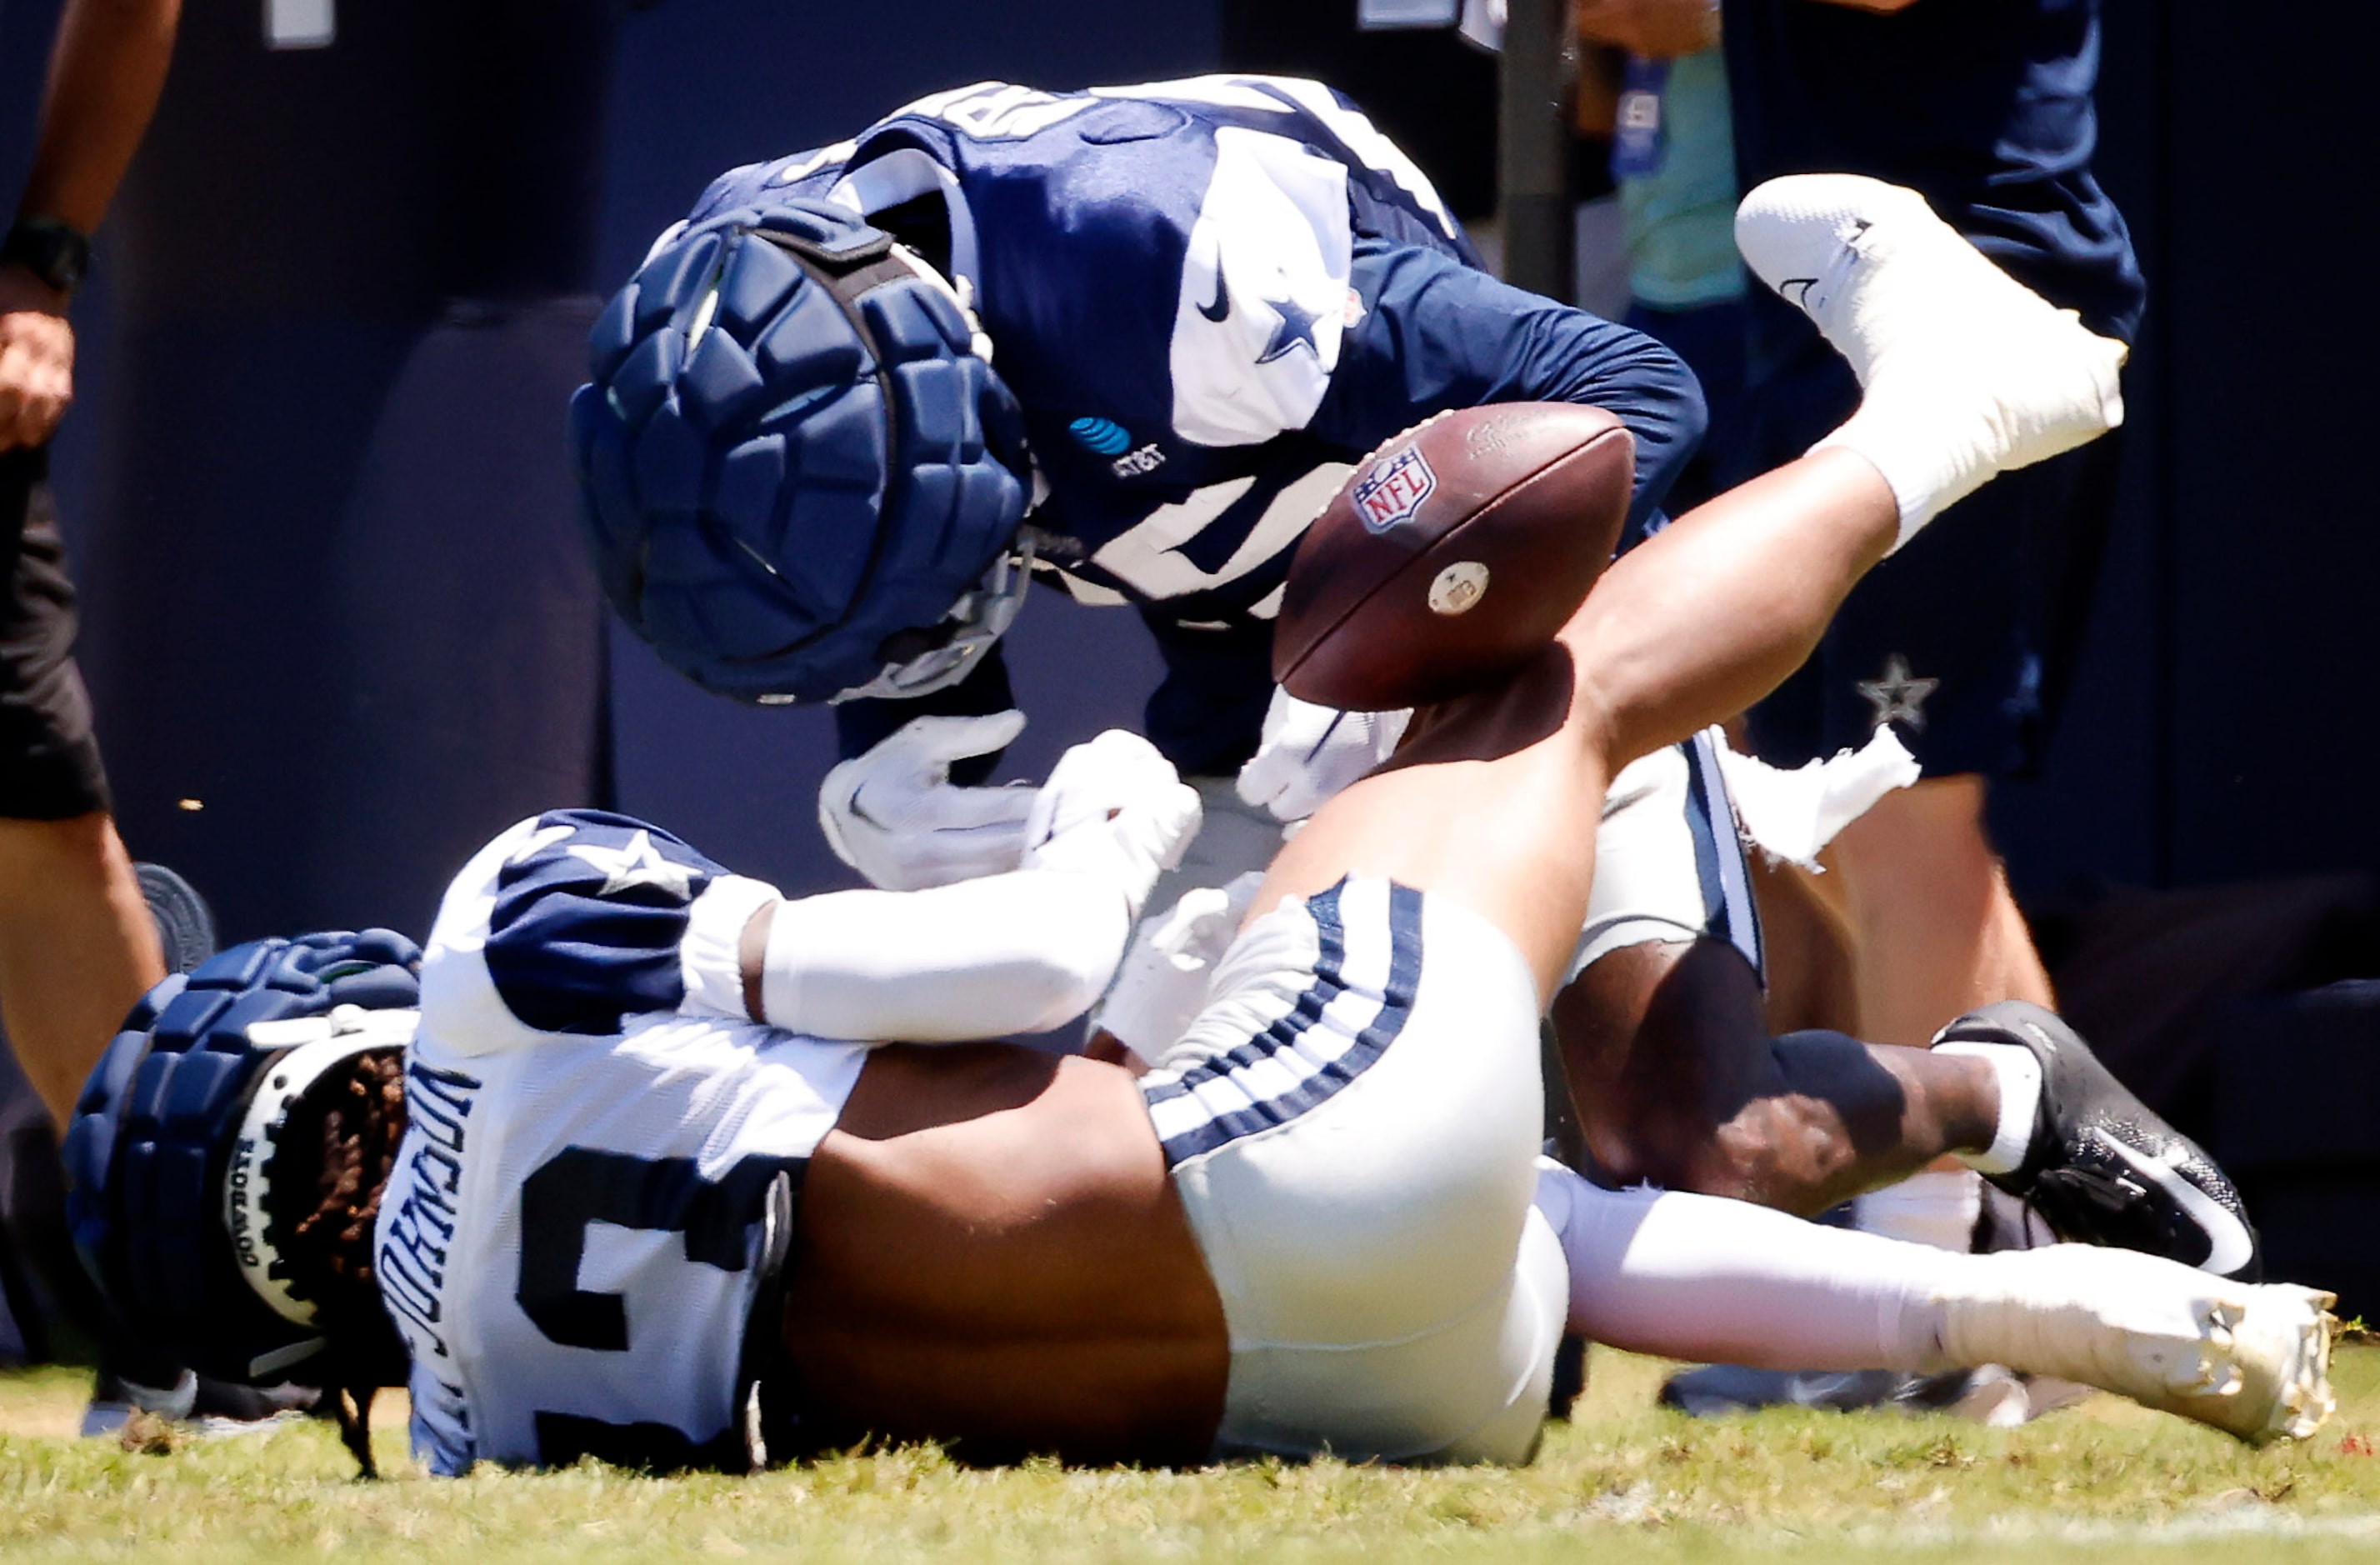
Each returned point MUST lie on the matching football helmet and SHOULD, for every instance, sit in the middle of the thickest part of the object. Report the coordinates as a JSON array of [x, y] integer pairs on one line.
[[802, 478], [176, 1200]]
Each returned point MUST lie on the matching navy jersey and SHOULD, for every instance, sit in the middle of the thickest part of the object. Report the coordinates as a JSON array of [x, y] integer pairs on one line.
[[1982, 107], [1211, 298]]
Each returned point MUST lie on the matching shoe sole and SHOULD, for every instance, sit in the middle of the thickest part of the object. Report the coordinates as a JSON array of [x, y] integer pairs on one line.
[[186, 926], [2279, 1352], [2250, 1359]]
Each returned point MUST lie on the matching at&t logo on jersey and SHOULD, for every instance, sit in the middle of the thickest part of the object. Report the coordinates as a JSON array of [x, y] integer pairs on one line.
[[1103, 435], [1393, 491]]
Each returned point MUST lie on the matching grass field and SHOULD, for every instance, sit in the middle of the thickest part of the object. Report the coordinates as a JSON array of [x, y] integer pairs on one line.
[[2104, 1483]]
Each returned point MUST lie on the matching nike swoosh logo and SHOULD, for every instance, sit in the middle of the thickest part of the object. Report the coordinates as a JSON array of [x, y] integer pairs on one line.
[[1223, 305], [2229, 1245], [859, 811]]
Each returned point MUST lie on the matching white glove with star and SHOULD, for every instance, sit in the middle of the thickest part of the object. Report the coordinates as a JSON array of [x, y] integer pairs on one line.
[[1309, 753], [1112, 807], [894, 815], [1162, 985]]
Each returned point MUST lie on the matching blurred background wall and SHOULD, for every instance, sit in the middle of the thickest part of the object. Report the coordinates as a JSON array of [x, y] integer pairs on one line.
[[315, 482]]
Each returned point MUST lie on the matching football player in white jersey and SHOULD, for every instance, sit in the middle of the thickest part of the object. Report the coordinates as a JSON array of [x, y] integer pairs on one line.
[[686, 1161]]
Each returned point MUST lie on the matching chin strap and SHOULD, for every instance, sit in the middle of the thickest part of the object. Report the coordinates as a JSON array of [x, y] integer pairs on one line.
[[352, 1404]]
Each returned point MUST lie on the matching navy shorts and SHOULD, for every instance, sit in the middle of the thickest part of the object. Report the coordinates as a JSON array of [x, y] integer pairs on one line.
[[49, 760], [1965, 640]]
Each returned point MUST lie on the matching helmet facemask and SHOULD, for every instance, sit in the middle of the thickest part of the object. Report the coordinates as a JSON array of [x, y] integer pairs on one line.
[[272, 1183], [918, 662]]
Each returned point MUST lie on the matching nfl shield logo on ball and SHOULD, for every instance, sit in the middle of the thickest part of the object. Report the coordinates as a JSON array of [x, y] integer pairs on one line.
[[1392, 491]]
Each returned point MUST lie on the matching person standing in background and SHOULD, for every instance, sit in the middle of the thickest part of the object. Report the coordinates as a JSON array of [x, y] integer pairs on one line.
[[77, 944], [80, 924], [1965, 647], [1673, 162]]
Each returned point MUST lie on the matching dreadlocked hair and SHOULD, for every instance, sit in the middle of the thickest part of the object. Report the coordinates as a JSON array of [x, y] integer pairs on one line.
[[355, 1117], [348, 1125]]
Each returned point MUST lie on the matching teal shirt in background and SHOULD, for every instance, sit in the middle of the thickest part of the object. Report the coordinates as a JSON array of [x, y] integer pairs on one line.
[[1680, 217]]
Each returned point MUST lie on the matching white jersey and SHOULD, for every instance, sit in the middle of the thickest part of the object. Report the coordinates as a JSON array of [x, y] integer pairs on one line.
[[572, 1240]]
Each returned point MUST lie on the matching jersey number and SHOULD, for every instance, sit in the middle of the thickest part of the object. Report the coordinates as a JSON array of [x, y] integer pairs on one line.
[[578, 1187]]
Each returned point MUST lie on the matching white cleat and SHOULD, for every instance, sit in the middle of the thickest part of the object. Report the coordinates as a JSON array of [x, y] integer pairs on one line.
[[1942, 338], [2253, 1360]]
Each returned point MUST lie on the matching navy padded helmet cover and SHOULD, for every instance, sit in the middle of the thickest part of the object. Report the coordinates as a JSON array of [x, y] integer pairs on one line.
[[810, 475], [152, 1134]]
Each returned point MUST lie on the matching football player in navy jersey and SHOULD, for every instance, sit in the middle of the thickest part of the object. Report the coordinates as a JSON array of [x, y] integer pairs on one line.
[[1966, 648], [684, 1162], [1128, 341]]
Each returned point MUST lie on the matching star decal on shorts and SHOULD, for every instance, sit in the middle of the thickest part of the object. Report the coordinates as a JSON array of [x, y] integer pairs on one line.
[[636, 864], [1896, 697], [1296, 329]]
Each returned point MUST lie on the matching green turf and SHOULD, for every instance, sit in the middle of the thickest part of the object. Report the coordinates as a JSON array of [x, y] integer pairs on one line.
[[2103, 1483]]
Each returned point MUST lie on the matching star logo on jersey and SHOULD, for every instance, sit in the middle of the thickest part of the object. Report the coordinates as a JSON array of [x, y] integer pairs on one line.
[[638, 864], [1295, 330], [1898, 697]]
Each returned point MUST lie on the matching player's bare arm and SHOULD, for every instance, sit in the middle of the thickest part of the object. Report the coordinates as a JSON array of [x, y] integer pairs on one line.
[[1657, 30]]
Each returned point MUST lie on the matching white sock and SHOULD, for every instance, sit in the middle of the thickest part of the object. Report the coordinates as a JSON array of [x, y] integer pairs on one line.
[[1905, 444], [1697, 1278], [2112, 1318], [2020, 1079], [1719, 1281]]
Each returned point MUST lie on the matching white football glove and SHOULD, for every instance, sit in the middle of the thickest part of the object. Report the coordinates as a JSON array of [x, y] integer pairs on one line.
[[1309, 753], [1162, 985], [1114, 809], [894, 815]]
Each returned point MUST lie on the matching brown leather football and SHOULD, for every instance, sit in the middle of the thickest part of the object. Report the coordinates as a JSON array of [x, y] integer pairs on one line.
[[1452, 554]]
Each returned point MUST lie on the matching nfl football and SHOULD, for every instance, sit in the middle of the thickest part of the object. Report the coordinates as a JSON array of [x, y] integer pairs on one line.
[[1452, 554]]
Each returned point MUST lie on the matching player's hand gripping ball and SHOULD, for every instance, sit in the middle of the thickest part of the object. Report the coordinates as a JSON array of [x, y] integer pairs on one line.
[[1454, 555]]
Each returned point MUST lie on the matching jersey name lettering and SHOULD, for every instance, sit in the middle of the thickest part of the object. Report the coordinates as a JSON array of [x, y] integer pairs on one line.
[[412, 1263], [993, 111]]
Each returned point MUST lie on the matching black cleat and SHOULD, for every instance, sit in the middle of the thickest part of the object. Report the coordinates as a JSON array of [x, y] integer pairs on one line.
[[2103, 1168]]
